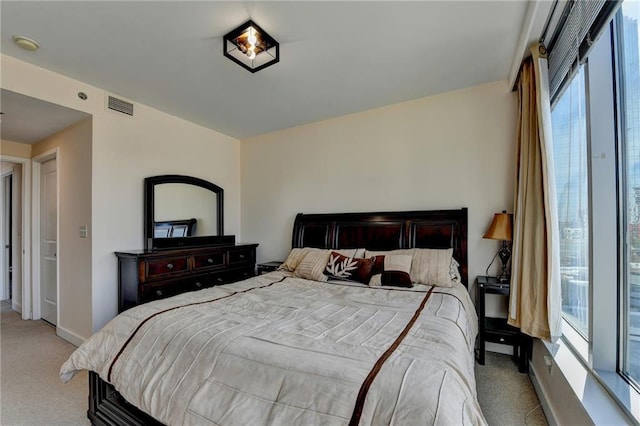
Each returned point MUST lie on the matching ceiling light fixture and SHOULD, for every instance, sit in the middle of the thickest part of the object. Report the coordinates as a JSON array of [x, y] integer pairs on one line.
[[251, 47], [26, 43]]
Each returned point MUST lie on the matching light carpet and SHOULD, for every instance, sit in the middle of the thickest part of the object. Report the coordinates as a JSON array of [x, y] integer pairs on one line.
[[506, 396], [31, 392]]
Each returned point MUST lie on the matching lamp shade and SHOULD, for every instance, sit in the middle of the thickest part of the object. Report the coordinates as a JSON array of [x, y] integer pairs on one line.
[[501, 227]]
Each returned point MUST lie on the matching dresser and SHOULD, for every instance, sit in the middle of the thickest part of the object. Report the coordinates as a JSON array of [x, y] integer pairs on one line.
[[147, 275]]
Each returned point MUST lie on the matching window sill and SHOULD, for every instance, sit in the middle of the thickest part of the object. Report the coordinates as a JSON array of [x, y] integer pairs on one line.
[[599, 405], [622, 392]]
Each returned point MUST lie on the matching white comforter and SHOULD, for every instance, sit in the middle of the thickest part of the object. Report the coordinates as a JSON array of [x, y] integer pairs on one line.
[[291, 352]]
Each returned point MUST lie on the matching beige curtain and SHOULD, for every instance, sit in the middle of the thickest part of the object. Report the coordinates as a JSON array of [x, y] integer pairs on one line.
[[535, 301]]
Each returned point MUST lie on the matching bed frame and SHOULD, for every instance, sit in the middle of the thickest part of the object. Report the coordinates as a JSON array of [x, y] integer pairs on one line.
[[374, 231]]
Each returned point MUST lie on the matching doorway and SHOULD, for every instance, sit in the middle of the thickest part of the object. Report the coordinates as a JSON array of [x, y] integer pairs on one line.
[[16, 234], [32, 133]]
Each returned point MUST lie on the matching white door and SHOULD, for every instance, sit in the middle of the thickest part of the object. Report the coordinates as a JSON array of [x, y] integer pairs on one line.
[[49, 242]]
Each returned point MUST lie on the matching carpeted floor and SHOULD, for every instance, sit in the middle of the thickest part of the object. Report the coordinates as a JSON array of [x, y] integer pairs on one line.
[[506, 396], [31, 393]]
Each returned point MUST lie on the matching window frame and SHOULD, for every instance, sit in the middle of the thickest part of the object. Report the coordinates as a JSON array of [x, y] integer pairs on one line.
[[603, 353]]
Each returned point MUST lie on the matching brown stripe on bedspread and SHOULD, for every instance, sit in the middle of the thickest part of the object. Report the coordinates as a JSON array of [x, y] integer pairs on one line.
[[364, 389], [174, 308]]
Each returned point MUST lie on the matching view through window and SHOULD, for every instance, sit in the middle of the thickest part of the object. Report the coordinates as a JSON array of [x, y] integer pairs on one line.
[[629, 53], [570, 160]]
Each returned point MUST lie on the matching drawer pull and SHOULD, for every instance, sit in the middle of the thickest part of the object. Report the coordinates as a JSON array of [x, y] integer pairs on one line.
[[209, 261], [246, 274], [198, 284], [502, 339], [169, 265], [219, 279], [158, 292], [241, 256]]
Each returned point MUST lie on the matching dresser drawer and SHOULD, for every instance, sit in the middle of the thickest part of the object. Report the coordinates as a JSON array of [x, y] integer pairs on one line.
[[240, 256], [171, 288], [163, 266], [239, 274], [232, 276], [209, 260]]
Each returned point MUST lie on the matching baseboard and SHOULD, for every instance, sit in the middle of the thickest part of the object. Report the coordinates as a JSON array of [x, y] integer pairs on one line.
[[543, 397], [16, 306], [70, 337]]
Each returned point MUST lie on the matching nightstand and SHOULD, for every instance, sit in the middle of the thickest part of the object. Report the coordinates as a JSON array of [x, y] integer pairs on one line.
[[496, 330], [265, 267]]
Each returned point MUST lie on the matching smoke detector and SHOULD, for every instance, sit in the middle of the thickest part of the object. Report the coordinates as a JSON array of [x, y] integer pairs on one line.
[[26, 43]]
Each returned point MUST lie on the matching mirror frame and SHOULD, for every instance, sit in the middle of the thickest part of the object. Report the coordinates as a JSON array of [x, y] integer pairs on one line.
[[152, 243]]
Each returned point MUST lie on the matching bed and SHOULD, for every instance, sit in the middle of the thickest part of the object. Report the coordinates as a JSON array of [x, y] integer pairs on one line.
[[283, 349]]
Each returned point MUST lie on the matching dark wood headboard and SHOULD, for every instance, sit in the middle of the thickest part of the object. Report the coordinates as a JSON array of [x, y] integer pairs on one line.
[[184, 228], [436, 229]]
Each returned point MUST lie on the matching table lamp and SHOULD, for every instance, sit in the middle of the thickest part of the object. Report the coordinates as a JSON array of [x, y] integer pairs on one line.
[[501, 229]]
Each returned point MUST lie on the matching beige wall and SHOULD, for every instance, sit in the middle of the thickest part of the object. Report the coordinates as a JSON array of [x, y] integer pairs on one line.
[[74, 210], [15, 149], [446, 151], [124, 152]]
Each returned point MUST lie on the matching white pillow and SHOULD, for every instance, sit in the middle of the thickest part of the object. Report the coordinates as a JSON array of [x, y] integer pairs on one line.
[[454, 271], [297, 254], [312, 265]]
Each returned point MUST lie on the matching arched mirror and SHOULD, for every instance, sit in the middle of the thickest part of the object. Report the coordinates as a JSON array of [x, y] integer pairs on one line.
[[182, 211]]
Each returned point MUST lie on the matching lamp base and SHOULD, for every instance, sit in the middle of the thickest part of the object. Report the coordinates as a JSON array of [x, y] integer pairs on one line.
[[504, 253], [504, 279]]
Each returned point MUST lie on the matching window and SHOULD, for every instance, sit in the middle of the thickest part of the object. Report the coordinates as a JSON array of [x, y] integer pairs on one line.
[[596, 149], [569, 122], [629, 52]]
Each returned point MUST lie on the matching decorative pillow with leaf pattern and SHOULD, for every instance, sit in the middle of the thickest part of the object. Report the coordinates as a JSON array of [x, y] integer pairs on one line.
[[340, 267]]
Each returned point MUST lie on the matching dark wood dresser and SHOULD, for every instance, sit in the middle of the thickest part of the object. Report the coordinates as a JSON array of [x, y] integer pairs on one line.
[[146, 275]]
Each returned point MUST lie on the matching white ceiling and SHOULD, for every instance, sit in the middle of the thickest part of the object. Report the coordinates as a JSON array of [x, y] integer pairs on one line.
[[29, 120], [337, 57]]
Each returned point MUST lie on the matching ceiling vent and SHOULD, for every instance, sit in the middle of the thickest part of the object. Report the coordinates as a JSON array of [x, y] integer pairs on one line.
[[120, 105]]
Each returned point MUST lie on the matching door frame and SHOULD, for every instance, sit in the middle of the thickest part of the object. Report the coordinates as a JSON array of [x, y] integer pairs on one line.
[[5, 258], [27, 305], [35, 231]]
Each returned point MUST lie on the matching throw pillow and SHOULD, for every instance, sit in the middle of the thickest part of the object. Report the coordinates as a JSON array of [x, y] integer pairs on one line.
[[349, 268], [391, 270]]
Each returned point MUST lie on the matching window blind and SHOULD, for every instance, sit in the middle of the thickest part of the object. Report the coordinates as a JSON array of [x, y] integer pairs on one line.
[[581, 23]]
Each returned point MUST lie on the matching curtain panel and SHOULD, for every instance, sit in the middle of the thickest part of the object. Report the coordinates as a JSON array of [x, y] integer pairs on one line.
[[535, 300]]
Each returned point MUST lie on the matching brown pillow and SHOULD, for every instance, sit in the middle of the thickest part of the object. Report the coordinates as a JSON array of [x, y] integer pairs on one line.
[[429, 266], [391, 270], [340, 267]]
